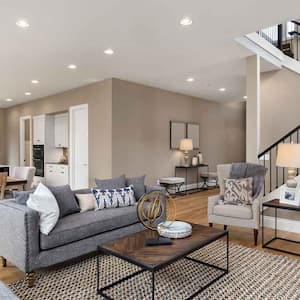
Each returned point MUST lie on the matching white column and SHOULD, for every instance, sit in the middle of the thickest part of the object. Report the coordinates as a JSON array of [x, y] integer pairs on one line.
[[253, 109]]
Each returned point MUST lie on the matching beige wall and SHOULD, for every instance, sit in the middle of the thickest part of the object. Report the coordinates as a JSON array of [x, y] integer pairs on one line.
[[141, 117], [2, 137], [280, 105], [98, 96]]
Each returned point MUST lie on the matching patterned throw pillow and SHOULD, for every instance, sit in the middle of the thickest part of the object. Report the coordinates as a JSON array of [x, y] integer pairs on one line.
[[112, 198], [238, 191]]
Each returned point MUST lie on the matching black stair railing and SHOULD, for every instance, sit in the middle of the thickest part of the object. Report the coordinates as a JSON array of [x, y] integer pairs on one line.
[[280, 37], [276, 175]]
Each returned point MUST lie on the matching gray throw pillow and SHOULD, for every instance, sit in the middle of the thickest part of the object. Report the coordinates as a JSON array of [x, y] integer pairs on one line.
[[65, 199], [138, 184], [22, 197], [113, 183]]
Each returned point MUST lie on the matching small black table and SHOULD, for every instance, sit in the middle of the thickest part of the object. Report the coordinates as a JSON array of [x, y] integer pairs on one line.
[[196, 168], [277, 205]]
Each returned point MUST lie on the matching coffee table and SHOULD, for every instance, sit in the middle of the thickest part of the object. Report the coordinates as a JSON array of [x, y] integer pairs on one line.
[[132, 249]]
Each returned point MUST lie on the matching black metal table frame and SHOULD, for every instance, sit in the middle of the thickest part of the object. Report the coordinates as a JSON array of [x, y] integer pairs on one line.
[[144, 268], [186, 175], [276, 237]]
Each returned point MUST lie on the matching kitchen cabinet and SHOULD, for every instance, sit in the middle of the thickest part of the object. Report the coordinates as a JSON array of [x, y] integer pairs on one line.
[[61, 131], [39, 130], [57, 174]]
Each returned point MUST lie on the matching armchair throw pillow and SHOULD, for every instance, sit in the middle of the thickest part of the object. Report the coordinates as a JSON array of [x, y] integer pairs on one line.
[[238, 191]]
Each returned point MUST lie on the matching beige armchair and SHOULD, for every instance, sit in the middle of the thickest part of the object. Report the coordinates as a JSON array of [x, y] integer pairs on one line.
[[241, 216]]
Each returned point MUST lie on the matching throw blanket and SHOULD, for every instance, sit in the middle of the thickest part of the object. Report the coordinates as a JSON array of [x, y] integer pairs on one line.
[[245, 170]]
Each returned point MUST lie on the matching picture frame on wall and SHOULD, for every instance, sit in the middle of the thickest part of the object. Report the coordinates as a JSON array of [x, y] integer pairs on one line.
[[177, 133], [290, 195], [193, 133]]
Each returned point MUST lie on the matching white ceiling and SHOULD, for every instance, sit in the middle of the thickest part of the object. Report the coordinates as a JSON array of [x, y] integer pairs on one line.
[[151, 47]]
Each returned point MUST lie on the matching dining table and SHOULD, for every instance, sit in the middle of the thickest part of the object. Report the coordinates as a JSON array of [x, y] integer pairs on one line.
[[13, 183]]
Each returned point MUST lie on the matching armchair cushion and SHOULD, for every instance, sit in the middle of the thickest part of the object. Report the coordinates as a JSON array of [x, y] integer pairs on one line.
[[233, 211]]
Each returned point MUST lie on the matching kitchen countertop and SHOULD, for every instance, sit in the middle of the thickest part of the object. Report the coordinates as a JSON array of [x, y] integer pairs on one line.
[[56, 163]]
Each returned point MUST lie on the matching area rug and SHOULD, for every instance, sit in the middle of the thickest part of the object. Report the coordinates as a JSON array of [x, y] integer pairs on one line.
[[253, 275]]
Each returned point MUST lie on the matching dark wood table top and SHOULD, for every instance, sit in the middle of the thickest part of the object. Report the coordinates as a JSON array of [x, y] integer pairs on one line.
[[132, 247], [15, 181], [191, 166], [276, 204]]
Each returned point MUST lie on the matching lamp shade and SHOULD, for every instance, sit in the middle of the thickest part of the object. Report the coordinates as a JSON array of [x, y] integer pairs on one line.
[[288, 156], [186, 145]]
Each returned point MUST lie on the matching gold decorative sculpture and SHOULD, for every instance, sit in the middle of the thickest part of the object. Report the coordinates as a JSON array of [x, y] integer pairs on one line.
[[153, 209]]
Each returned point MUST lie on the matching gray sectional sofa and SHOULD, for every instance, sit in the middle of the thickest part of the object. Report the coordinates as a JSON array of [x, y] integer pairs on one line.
[[74, 235]]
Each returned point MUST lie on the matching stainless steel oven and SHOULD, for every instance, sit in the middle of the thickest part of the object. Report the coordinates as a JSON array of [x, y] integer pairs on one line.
[[38, 159]]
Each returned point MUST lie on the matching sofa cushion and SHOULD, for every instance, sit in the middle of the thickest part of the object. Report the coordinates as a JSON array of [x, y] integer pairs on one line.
[[233, 211], [83, 225], [65, 199], [138, 184], [113, 183]]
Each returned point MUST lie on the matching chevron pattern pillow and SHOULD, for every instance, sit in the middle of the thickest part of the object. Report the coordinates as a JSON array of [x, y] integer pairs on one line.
[[238, 191], [112, 198]]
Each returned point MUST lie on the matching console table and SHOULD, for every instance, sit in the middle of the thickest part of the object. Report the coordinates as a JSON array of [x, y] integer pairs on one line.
[[277, 205], [194, 168]]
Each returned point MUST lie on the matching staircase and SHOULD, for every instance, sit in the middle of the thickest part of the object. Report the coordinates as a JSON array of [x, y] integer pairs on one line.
[[283, 39], [276, 176]]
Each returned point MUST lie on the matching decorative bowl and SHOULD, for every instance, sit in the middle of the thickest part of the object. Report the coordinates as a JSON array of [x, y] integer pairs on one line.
[[174, 229]]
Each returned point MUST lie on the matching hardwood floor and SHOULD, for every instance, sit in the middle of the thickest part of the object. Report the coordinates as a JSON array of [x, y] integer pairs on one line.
[[192, 208]]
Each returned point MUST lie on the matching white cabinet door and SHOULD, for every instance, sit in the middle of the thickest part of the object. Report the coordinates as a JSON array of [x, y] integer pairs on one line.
[[39, 130], [57, 174], [79, 141], [61, 131]]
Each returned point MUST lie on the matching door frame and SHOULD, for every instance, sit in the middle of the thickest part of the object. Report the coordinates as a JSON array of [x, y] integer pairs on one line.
[[22, 140], [72, 109]]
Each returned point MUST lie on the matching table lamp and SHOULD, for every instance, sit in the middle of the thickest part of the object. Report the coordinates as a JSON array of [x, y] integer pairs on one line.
[[186, 145], [288, 156]]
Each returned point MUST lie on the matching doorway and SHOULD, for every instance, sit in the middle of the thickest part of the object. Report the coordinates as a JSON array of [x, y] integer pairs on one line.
[[25, 141], [79, 141]]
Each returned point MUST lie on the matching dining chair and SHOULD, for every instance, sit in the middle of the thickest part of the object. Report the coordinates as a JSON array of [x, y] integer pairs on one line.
[[3, 180], [25, 173]]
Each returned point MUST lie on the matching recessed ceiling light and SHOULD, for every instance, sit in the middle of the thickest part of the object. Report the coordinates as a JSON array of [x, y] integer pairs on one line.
[[34, 81], [27, 94], [222, 89], [72, 67], [245, 97], [190, 79], [22, 23], [186, 21], [9, 100], [109, 51]]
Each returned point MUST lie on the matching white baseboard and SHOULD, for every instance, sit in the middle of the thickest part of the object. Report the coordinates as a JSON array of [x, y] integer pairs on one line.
[[282, 224]]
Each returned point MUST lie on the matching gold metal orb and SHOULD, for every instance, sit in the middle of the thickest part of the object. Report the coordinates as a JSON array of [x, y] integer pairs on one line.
[[152, 210]]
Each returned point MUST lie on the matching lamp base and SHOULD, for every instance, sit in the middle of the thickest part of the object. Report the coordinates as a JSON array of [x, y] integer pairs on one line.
[[291, 182], [186, 160]]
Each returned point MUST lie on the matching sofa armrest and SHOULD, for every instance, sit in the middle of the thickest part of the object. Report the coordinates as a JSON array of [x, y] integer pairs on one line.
[[152, 188], [19, 232], [212, 201]]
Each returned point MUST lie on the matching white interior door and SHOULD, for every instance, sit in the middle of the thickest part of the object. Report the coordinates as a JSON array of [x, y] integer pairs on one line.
[[79, 164], [25, 141]]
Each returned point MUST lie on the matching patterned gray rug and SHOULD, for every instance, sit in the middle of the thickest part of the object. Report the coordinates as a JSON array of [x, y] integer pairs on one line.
[[253, 275]]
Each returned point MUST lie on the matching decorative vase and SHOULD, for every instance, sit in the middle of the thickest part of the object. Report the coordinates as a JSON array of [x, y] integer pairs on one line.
[[195, 161], [200, 158]]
